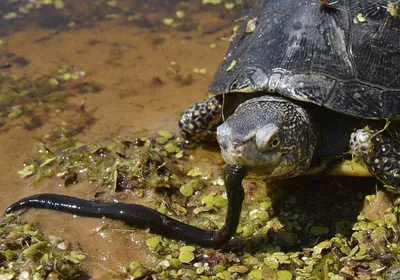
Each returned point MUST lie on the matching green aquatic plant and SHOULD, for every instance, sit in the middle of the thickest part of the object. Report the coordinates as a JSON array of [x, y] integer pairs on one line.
[[293, 243], [26, 253], [25, 96]]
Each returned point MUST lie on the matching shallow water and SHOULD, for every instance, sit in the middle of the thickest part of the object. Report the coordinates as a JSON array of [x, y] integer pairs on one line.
[[130, 60], [130, 64]]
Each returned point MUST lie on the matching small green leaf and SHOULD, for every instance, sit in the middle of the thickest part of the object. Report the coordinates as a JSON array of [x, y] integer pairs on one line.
[[186, 256], [187, 249], [195, 172], [284, 275], [318, 230], [186, 190], [171, 148], [271, 262], [353, 251], [34, 249], [27, 171], [152, 242], [47, 161], [9, 254], [231, 66], [219, 201], [161, 140], [255, 274], [166, 134]]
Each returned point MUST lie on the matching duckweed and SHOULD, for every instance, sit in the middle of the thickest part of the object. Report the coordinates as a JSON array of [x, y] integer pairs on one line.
[[118, 164], [255, 275], [153, 242], [137, 270], [229, 6], [186, 190], [318, 230], [251, 25], [161, 140], [166, 134], [393, 9], [75, 257], [25, 253], [279, 236], [180, 14], [21, 95], [284, 275], [219, 201], [359, 18], [231, 66], [186, 256], [28, 170], [336, 257], [168, 21], [195, 172]]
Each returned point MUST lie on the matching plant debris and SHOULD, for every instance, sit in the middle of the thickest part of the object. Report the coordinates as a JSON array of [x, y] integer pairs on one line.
[[393, 9], [285, 232], [65, 15], [367, 249], [24, 96], [25, 253]]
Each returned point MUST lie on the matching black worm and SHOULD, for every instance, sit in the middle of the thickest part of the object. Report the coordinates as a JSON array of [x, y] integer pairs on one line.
[[141, 216]]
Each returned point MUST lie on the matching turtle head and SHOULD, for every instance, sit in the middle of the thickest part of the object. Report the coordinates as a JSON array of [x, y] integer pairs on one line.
[[273, 137]]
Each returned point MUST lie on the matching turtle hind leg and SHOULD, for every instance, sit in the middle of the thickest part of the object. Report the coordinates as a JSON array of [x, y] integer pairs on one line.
[[380, 153], [199, 122]]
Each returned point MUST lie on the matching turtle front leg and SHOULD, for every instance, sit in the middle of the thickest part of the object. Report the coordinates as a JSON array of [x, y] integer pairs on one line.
[[380, 153], [200, 121]]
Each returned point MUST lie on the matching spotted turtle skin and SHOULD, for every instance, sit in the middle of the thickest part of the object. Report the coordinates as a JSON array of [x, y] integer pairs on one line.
[[200, 121]]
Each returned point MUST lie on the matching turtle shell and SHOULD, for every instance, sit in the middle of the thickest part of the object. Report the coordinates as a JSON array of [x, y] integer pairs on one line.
[[344, 56]]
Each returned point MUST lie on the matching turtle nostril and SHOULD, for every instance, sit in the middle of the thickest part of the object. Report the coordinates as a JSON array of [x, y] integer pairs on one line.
[[223, 145], [235, 144], [237, 148]]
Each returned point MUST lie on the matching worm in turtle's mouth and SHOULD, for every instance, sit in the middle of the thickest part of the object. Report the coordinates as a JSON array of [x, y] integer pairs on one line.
[[272, 166], [259, 165]]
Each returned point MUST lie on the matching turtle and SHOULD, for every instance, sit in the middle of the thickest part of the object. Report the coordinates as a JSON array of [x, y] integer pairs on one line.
[[298, 79], [303, 81]]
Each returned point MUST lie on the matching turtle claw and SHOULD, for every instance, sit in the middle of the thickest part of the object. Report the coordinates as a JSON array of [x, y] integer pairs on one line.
[[380, 153], [199, 122]]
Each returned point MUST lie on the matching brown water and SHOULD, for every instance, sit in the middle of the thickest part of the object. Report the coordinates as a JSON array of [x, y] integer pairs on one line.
[[129, 60], [126, 61]]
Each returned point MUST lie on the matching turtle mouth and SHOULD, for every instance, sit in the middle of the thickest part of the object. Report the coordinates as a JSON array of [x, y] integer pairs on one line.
[[260, 165], [235, 155]]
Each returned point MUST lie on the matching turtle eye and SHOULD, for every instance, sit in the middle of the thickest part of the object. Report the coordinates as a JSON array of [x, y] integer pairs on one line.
[[267, 137], [275, 142]]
